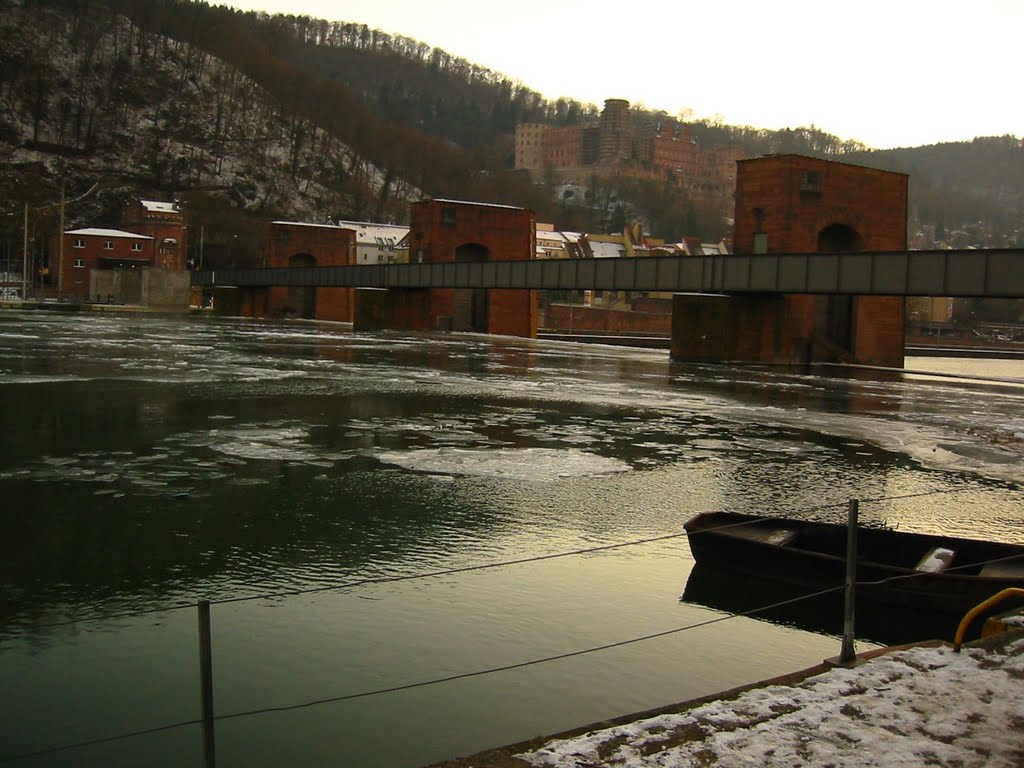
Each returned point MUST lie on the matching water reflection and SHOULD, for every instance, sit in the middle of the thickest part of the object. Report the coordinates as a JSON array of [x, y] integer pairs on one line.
[[149, 461], [723, 590]]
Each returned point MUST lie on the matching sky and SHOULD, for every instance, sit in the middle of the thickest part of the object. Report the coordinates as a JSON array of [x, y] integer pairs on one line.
[[888, 73]]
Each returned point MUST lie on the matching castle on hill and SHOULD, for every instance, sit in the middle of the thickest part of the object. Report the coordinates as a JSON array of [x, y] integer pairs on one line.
[[662, 149]]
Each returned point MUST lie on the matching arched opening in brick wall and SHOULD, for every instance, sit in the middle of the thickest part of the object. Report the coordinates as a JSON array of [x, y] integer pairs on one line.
[[835, 313], [302, 299], [839, 238], [471, 304]]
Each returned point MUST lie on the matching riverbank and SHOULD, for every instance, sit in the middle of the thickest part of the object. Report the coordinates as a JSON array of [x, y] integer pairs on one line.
[[913, 705], [90, 306]]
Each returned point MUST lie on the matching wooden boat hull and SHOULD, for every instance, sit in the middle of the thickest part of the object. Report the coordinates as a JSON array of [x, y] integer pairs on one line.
[[812, 555]]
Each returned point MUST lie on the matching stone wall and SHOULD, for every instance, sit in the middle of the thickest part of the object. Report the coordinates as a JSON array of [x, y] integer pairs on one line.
[[145, 287], [568, 317]]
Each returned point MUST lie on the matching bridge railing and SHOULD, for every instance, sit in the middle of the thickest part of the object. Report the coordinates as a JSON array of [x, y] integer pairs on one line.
[[980, 273]]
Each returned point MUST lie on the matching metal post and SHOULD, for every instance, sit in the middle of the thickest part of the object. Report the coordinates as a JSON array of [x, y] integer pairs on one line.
[[206, 683], [24, 260], [848, 654], [60, 247]]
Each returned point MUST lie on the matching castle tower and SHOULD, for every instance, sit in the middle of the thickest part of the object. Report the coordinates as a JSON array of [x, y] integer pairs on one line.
[[615, 136]]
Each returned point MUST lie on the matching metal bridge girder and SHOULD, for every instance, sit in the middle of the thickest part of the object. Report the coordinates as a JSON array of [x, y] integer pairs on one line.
[[967, 273]]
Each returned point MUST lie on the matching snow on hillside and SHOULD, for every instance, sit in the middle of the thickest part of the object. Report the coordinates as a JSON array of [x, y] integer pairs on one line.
[[117, 104]]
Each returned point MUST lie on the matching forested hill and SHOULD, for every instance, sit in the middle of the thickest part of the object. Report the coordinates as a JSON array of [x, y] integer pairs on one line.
[[214, 106], [243, 113], [979, 182]]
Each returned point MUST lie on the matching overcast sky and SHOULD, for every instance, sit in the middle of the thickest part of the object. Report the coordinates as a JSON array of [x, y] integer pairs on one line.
[[889, 73]]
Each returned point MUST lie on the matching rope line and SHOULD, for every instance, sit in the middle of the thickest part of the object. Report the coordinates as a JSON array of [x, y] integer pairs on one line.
[[419, 683], [363, 582], [446, 572], [529, 663], [504, 668], [454, 571], [94, 742]]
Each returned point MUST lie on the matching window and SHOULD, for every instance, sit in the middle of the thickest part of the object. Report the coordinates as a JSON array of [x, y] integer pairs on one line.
[[79, 263], [108, 245], [810, 182], [79, 244], [136, 246], [448, 216]]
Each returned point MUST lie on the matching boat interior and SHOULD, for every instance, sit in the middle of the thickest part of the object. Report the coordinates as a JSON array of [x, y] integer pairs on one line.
[[892, 549]]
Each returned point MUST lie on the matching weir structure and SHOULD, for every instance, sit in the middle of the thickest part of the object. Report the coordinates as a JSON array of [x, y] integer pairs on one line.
[[794, 204], [449, 232], [819, 274]]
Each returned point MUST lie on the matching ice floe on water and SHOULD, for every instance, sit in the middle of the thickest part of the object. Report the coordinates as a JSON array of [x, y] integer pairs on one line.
[[528, 464], [264, 444], [25, 378], [179, 463]]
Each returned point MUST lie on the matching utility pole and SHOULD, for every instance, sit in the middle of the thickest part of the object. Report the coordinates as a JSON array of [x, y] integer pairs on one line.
[[24, 259], [60, 247]]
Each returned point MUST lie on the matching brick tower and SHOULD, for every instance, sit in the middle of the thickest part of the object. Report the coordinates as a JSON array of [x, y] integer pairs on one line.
[[615, 136], [796, 204]]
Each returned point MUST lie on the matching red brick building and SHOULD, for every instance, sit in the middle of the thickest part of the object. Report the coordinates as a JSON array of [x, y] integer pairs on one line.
[[795, 204], [294, 244], [563, 148], [91, 249], [449, 230], [290, 244], [454, 231], [167, 224]]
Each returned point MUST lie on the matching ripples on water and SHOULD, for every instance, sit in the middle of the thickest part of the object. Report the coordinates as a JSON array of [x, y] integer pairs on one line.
[[151, 461]]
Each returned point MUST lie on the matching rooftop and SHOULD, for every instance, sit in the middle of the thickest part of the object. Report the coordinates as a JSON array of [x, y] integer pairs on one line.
[[158, 206], [96, 232]]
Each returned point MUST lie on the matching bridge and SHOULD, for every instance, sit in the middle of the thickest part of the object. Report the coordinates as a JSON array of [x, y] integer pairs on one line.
[[821, 275], [992, 273]]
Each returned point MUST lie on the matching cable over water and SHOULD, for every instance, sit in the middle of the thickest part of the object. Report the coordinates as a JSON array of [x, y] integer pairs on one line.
[[377, 580]]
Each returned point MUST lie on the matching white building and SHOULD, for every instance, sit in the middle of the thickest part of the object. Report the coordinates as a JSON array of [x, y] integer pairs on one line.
[[379, 243]]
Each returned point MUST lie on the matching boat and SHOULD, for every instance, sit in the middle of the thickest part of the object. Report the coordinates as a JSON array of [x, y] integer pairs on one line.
[[915, 571]]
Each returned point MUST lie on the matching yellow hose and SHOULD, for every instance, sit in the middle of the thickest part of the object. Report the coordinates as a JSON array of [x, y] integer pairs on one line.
[[981, 608]]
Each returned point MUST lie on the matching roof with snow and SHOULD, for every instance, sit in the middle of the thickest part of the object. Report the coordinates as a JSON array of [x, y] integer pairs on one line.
[[158, 206], [608, 250], [551, 238], [95, 232], [366, 231], [379, 234], [482, 205], [308, 224]]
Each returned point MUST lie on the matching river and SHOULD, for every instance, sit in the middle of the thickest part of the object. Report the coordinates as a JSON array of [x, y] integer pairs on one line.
[[308, 480]]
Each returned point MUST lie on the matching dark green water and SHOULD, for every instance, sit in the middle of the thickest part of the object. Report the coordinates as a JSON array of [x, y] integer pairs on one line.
[[149, 462]]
